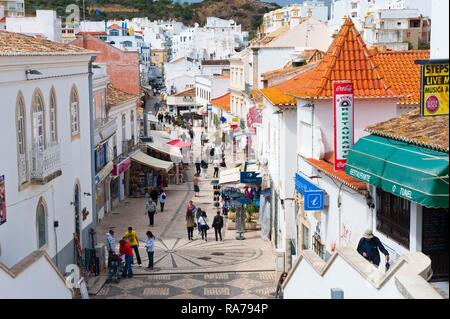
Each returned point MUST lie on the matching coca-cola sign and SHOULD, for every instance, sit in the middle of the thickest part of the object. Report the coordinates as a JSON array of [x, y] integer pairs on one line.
[[343, 122]]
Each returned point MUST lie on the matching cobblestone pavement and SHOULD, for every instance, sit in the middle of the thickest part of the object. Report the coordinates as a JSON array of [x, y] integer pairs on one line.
[[224, 285], [188, 269]]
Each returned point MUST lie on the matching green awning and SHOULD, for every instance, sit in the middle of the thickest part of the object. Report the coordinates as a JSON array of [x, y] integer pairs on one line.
[[412, 172]]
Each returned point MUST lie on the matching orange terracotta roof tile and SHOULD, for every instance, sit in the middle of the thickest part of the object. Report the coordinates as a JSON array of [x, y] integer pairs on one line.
[[115, 27], [426, 131], [16, 44], [347, 59], [399, 69], [116, 97], [341, 176], [223, 102], [187, 92]]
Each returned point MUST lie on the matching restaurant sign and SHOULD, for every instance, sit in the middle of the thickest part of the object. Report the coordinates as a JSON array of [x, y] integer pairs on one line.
[[434, 88], [343, 122], [121, 167]]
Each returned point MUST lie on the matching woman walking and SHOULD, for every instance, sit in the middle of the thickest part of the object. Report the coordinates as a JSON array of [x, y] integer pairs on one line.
[[203, 225], [217, 224], [150, 246], [162, 199], [196, 185], [190, 223], [198, 214]]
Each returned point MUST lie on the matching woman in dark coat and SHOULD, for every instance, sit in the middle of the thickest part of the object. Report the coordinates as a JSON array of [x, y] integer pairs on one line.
[[217, 225]]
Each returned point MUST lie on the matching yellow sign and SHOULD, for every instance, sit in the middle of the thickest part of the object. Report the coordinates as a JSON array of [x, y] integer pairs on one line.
[[434, 90]]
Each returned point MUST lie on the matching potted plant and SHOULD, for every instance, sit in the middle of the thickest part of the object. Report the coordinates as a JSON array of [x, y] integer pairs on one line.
[[251, 210], [231, 225]]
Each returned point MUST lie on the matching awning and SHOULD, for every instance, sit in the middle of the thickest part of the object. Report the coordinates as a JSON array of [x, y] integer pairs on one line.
[[180, 144], [144, 159], [152, 118], [232, 175], [104, 172], [412, 172], [163, 135], [173, 151]]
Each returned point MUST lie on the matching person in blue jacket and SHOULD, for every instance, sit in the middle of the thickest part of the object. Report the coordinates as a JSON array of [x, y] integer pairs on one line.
[[368, 247]]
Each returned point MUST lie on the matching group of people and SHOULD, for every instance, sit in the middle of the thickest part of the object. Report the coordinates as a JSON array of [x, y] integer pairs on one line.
[[125, 257], [166, 117], [196, 217], [152, 205]]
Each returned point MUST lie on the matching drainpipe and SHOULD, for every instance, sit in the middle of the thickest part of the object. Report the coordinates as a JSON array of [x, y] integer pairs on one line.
[[92, 146]]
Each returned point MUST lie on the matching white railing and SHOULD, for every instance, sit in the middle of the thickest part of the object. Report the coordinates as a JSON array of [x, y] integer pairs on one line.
[[45, 162], [23, 171]]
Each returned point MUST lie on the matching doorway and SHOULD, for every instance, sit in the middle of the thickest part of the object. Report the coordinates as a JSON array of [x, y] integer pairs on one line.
[[435, 241]]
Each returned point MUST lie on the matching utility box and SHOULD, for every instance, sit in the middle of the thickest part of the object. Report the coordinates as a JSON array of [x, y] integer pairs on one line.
[[100, 252], [337, 293], [279, 262]]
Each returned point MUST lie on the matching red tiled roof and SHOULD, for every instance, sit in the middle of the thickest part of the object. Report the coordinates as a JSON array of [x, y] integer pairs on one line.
[[187, 92], [341, 176], [347, 59], [222, 102], [399, 69], [115, 27], [93, 33]]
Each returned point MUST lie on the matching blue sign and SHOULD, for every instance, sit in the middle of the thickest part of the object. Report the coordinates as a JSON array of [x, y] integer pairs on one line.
[[313, 195], [251, 178]]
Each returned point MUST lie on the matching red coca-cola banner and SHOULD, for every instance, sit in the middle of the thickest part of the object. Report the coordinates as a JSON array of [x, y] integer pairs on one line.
[[343, 122], [121, 167]]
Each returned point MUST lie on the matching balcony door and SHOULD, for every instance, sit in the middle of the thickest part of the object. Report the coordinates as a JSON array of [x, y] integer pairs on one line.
[[38, 129]]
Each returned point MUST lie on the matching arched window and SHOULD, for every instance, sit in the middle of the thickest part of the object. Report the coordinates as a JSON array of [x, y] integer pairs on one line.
[[41, 223], [38, 122], [53, 119], [132, 124], [21, 140], [74, 112]]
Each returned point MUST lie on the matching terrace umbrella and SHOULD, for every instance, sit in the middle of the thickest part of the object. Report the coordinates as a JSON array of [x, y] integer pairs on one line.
[[180, 144]]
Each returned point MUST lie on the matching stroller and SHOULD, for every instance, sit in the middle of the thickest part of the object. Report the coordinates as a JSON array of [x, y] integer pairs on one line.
[[115, 267]]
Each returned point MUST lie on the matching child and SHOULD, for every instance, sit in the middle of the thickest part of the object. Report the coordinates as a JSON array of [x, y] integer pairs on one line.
[[150, 246]]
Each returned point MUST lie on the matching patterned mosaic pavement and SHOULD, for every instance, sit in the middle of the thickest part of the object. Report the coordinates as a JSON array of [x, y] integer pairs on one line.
[[249, 285]]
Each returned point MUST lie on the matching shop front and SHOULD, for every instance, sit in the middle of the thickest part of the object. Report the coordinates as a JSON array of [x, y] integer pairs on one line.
[[119, 182], [103, 198], [411, 187], [147, 172]]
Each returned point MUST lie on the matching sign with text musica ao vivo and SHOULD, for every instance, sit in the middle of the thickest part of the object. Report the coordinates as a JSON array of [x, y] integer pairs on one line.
[[343, 122]]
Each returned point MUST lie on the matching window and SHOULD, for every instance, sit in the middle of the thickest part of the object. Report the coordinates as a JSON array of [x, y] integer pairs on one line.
[[123, 128], [132, 124], [318, 247], [41, 223], [393, 217], [21, 140], [38, 122], [53, 121], [114, 33], [74, 112]]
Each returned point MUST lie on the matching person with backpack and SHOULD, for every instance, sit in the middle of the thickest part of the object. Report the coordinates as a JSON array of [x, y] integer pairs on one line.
[[150, 246], [217, 224], [162, 199], [151, 211], [154, 194]]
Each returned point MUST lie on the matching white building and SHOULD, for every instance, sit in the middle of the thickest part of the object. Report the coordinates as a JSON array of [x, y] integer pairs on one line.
[[217, 40], [12, 8], [45, 24], [439, 38], [48, 177], [395, 29], [292, 15], [179, 74]]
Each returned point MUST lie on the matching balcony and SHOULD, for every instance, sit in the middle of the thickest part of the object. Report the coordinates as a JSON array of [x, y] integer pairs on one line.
[[128, 146], [104, 129], [45, 164], [23, 171]]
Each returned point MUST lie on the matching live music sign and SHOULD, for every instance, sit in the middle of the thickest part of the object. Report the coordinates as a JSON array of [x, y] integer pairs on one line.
[[343, 122]]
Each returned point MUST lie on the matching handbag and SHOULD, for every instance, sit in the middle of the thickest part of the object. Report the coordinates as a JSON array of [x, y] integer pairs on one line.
[[207, 227], [195, 225]]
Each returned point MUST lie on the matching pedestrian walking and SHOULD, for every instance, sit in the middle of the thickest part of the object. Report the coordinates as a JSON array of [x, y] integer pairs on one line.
[[203, 226], [127, 252], [204, 166], [216, 164], [154, 194], [132, 237], [196, 185], [150, 246], [198, 162], [217, 224], [162, 199], [203, 138], [151, 211], [191, 134], [279, 291], [190, 221], [368, 247], [110, 242]]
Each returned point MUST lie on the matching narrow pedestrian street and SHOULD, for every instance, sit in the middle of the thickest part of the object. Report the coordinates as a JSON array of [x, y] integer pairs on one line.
[[190, 269]]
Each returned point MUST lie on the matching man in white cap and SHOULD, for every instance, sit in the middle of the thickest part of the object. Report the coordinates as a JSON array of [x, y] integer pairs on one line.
[[368, 247]]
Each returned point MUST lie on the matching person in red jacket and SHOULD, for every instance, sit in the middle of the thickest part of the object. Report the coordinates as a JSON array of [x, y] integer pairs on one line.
[[125, 249]]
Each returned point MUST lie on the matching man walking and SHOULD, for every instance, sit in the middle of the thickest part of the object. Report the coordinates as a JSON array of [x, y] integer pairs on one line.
[[217, 225], [198, 162], [216, 164], [368, 247], [131, 235], [151, 211]]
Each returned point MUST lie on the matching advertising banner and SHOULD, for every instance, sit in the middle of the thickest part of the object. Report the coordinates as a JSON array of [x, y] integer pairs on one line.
[[343, 122], [434, 89], [2, 200]]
